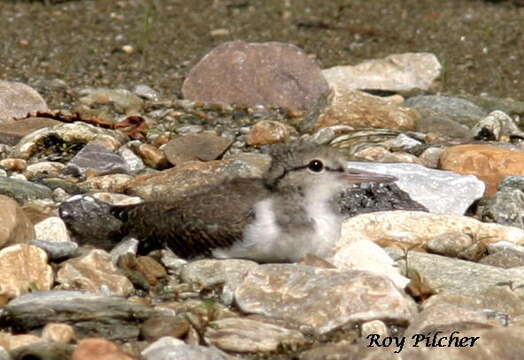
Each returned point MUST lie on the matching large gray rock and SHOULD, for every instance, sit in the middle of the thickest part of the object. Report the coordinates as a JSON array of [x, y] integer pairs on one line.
[[324, 299], [458, 110], [257, 73], [431, 188]]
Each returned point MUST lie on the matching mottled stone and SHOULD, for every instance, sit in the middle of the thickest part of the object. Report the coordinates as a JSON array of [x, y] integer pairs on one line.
[[455, 109], [48, 168], [15, 226], [447, 315], [506, 259], [245, 335], [91, 315], [322, 298], [116, 199], [51, 229], [24, 268], [507, 205], [96, 160], [429, 187], [257, 73], [450, 274], [191, 176], [402, 73], [489, 163], [361, 110], [269, 132], [106, 183], [157, 327], [413, 227], [92, 271], [207, 273], [70, 133], [17, 100], [199, 147], [123, 100], [23, 190], [455, 244], [442, 125]]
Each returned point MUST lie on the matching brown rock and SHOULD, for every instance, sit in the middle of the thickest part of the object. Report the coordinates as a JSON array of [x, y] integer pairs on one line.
[[489, 163], [361, 110], [58, 333], [269, 132], [99, 349], [191, 176], [200, 147], [17, 100], [24, 268], [152, 156], [15, 226], [16, 165], [12, 131], [156, 327], [249, 73], [91, 271], [106, 183]]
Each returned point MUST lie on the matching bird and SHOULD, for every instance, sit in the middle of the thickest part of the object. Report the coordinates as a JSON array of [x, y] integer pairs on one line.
[[281, 217]]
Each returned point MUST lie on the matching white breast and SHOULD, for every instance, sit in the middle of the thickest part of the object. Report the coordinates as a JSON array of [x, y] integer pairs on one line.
[[264, 241]]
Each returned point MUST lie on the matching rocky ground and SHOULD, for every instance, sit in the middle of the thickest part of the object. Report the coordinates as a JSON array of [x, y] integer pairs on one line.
[[95, 110]]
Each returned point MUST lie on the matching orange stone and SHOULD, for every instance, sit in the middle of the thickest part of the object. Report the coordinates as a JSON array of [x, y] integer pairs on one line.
[[490, 164]]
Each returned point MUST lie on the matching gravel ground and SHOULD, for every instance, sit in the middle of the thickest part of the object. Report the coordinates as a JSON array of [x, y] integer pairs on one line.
[[84, 42]]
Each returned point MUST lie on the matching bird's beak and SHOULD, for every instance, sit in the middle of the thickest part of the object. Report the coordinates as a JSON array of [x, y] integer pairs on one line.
[[354, 176]]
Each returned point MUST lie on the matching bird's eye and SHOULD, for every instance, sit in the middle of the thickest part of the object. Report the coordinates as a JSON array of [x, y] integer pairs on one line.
[[315, 166]]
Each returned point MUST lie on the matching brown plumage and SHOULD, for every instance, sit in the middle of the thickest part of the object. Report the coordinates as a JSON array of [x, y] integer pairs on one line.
[[264, 219]]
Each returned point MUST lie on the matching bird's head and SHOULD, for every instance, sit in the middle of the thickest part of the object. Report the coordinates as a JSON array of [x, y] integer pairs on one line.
[[309, 166]]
